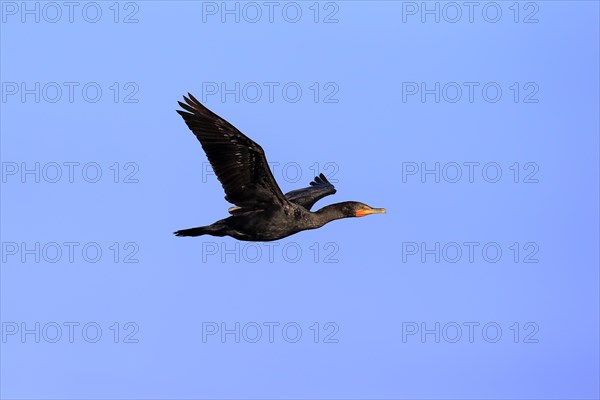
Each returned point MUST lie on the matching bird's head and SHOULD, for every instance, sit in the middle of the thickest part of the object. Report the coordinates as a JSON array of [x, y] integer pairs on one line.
[[357, 209]]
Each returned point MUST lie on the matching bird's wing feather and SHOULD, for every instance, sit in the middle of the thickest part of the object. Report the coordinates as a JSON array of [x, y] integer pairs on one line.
[[239, 163], [307, 197]]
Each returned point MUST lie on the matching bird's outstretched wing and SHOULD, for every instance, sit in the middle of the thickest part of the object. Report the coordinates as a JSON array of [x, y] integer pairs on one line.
[[307, 197], [239, 163]]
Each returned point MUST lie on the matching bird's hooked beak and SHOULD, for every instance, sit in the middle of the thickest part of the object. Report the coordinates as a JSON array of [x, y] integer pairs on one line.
[[369, 210]]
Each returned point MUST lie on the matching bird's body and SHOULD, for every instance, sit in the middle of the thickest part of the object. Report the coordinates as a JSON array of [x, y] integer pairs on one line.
[[262, 212], [260, 225], [266, 225]]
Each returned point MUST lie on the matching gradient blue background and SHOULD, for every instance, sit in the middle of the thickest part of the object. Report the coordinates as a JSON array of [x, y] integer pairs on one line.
[[370, 292]]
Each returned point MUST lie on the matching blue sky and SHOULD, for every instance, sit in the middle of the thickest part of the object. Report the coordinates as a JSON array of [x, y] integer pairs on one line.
[[475, 126]]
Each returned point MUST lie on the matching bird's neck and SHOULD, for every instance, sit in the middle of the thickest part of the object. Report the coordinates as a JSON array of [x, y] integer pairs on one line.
[[329, 213]]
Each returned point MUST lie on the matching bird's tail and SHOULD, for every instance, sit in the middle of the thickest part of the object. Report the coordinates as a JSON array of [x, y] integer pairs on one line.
[[201, 230]]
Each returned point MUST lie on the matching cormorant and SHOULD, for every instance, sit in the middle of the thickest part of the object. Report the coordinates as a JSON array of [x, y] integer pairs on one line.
[[262, 212]]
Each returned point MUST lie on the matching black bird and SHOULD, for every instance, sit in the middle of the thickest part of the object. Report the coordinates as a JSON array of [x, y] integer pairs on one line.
[[262, 212]]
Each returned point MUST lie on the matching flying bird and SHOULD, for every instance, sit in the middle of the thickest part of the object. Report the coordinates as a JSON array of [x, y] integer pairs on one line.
[[261, 211]]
